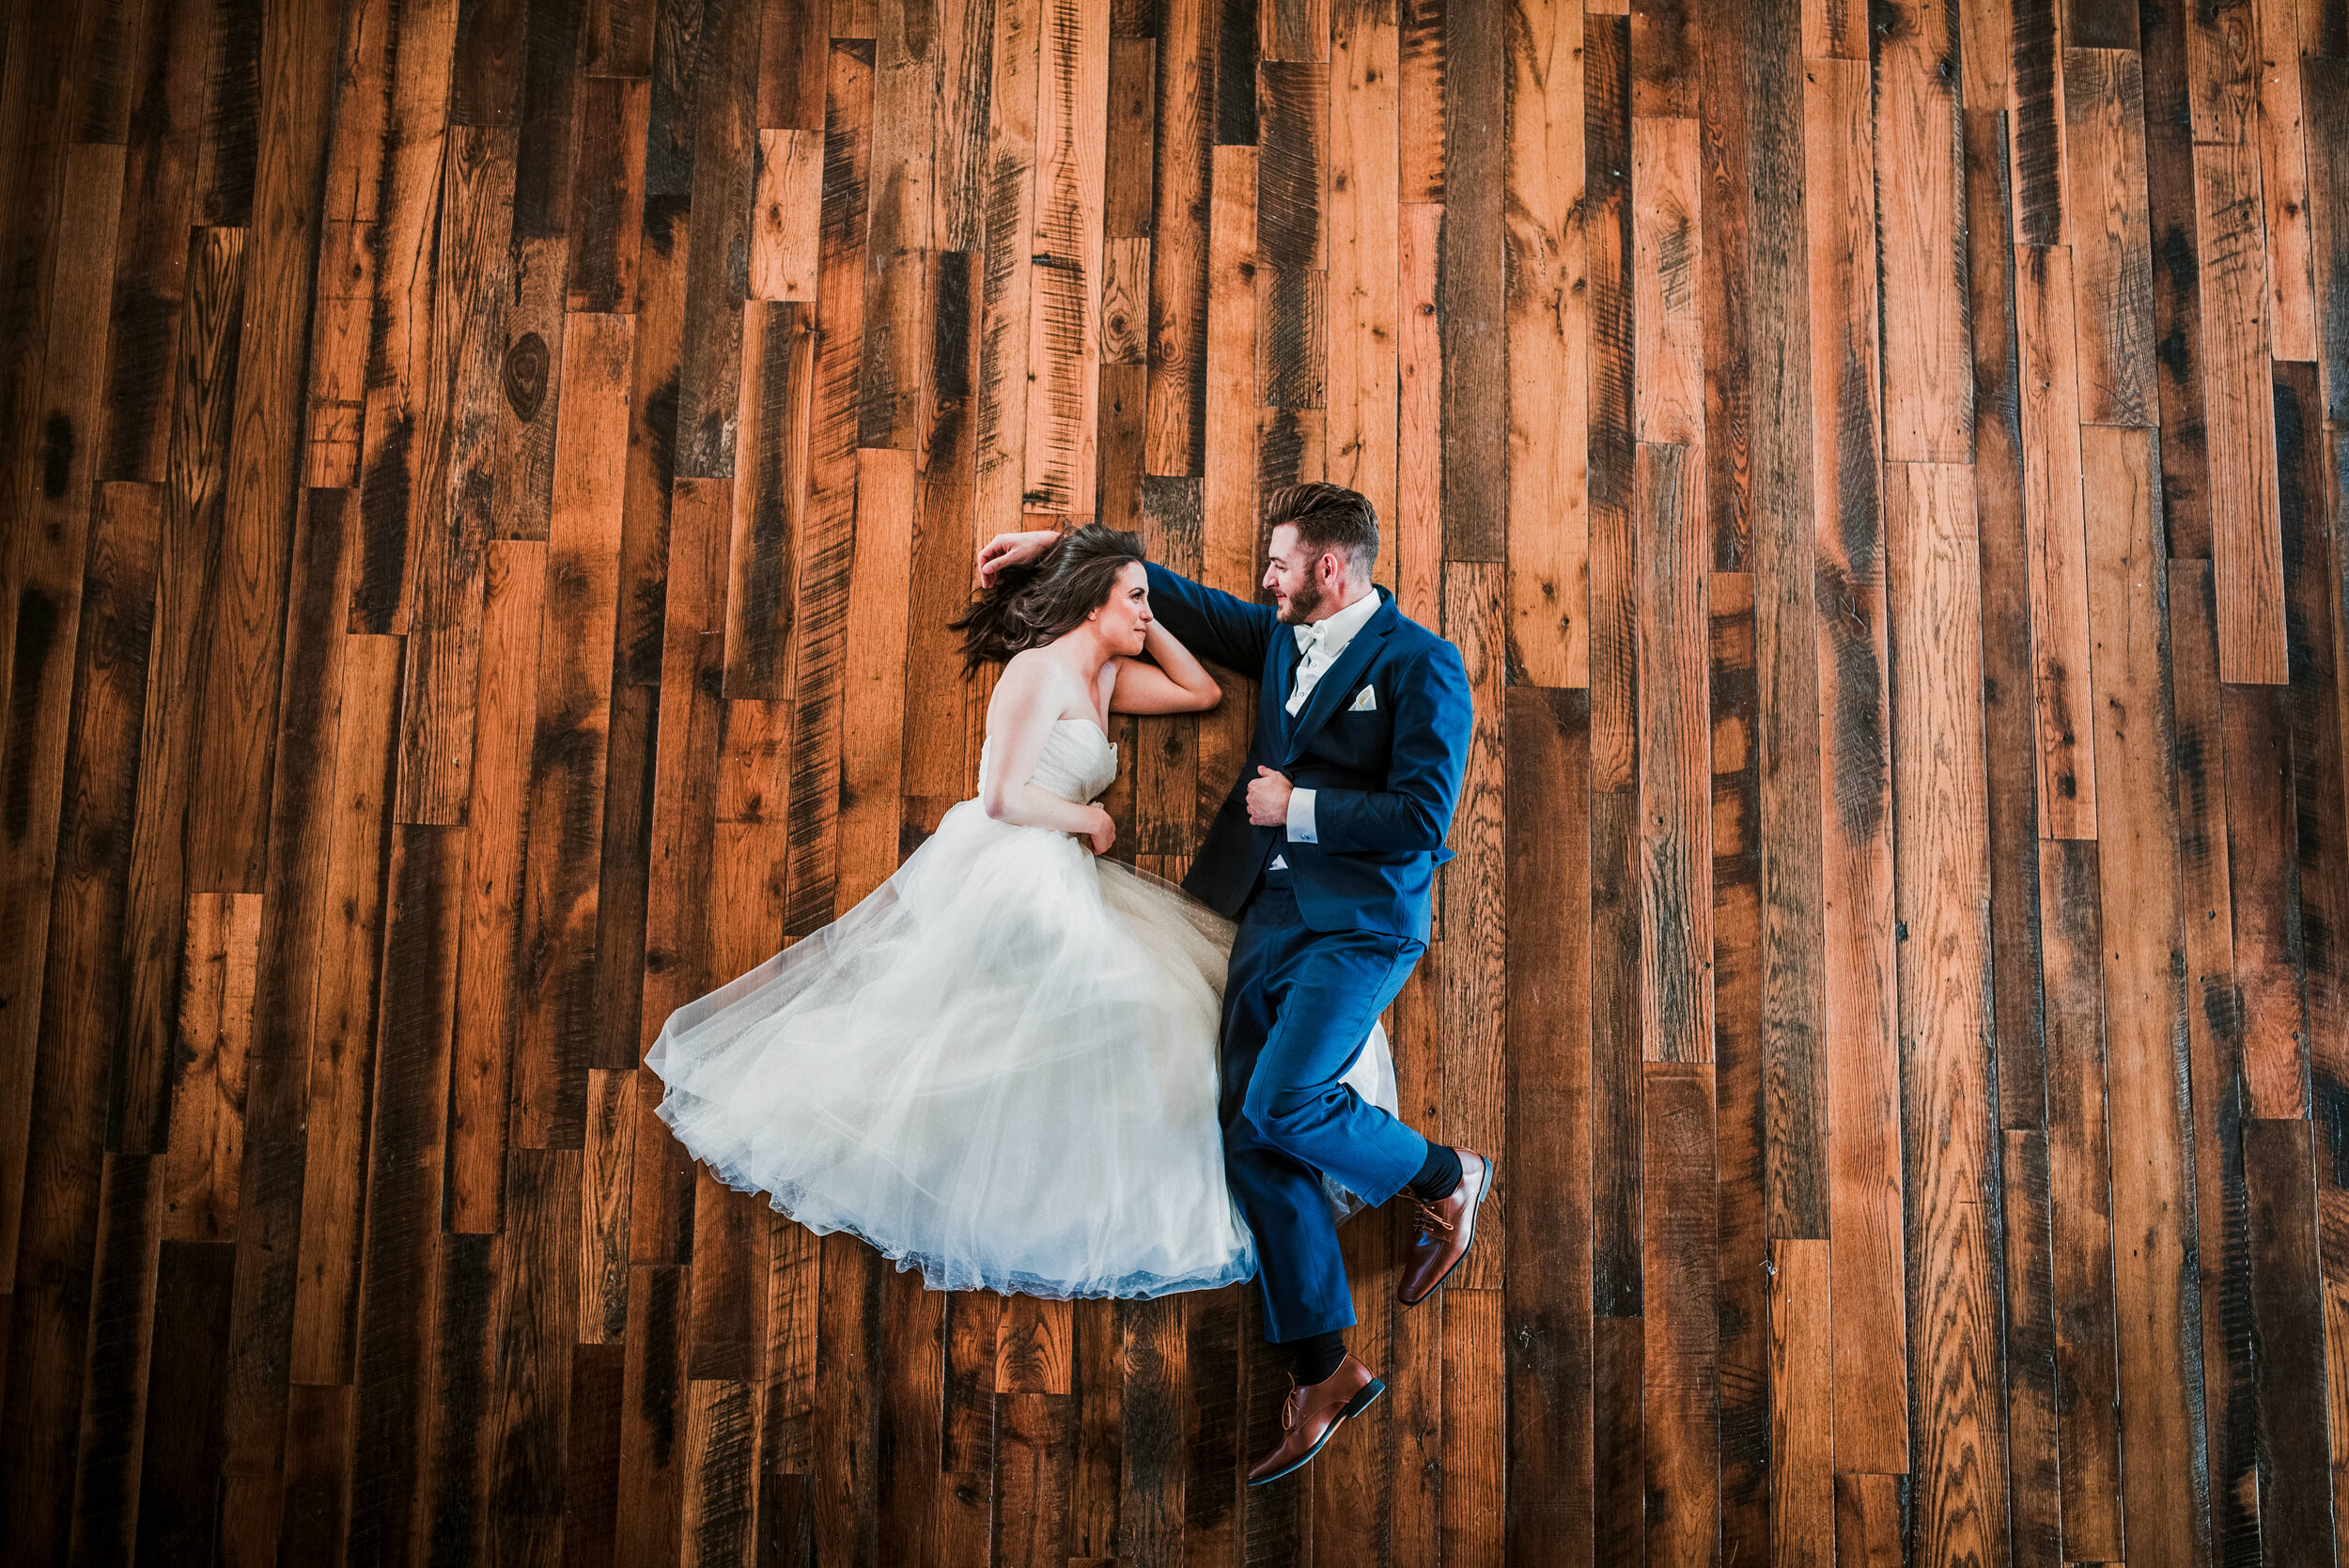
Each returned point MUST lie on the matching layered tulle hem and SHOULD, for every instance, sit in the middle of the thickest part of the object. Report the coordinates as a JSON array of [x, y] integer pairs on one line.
[[941, 1271]]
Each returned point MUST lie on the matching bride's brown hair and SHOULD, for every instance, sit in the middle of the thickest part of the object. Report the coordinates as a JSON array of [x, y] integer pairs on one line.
[[1029, 605]]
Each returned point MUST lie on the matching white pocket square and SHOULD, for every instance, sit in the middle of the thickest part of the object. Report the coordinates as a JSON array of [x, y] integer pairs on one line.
[[1364, 700]]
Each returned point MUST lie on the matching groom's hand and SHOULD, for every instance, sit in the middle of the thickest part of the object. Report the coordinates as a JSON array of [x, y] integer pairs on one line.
[[1268, 799], [1012, 549]]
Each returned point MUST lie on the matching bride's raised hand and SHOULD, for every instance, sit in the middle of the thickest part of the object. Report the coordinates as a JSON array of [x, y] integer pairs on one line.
[[1103, 832], [1012, 549]]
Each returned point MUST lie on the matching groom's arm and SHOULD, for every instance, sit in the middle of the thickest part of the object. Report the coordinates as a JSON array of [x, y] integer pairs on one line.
[[1434, 718], [1221, 628]]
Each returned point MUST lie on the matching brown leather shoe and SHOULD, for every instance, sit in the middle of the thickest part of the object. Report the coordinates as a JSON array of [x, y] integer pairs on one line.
[[1445, 1229], [1312, 1412]]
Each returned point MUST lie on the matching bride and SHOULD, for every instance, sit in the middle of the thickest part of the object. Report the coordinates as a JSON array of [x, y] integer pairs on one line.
[[1001, 1066]]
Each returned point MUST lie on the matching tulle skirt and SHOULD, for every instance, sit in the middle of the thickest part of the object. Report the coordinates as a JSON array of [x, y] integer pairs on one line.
[[1000, 1068]]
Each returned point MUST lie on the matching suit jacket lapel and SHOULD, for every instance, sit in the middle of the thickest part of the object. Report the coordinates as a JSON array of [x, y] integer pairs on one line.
[[1337, 681], [1272, 697]]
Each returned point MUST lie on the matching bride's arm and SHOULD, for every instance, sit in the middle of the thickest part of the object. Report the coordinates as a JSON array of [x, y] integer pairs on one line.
[[1019, 719], [1171, 681]]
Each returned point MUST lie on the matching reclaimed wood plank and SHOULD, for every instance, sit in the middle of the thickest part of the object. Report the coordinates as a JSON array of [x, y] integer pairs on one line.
[[1363, 241], [2145, 898], [1610, 266], [937, 718], [1674, 762], [608, 194], [787, 215], [653, 1394], [505, 708], [536, 1338], [1668, 230], [1933, 581], [2055, 527], [1006, 326], [1928, 397], [1473, 1425], [467, 1300], [2170, 213], [456, 474], [557, 1029], [1291, 273], [1617, 1122], [1802, 1439], [530, 375], [403, 446], [1724, 303], [2247, 538], [2010, 696], [124, 1282], [721, 1448], [215, 1029], [2081, 1181], [1681, 1295], [1786, 638], [1548, 348], [400, 1258], [1740, 1104], [1474, 976], [2221, 1095], [343, 1032], [844, 1459], [2037, 123], [2034, 1456], [2296, 1497], [770, 500], [179, 1498], [1416, 572], [1064, 351], [1471, 286], [721, 83], [1857, 1023], [2113, 258], [1621, 1526], [1547, 1294], [1179, 219]]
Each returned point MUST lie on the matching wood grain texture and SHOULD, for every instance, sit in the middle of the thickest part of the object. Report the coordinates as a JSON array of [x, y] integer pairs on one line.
[[2054, 528], [1933, 585], [1928, 398], [2247, 538], [494, 480], [1549, 349]]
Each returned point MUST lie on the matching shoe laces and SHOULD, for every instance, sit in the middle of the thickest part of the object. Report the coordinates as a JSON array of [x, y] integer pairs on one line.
[[1293, 1407], [1429, 1220]]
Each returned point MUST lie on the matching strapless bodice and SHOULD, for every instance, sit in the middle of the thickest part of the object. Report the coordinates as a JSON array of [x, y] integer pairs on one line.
[[1078, 761]]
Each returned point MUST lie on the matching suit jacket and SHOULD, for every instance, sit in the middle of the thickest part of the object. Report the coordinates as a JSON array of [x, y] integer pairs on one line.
[[1386, 777]]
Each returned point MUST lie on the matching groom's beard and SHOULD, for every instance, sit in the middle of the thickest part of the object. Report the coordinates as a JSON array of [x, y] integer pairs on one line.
[[1301, 605]]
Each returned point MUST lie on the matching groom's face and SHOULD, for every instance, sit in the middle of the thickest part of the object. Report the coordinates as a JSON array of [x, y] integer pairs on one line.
[[1300, 582]]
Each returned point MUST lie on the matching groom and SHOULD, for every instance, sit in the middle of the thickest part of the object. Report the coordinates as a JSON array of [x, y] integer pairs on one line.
[[1324, 851]]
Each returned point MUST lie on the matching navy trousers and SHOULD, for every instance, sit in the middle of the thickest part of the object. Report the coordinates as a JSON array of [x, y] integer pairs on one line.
[[1298, 1005]]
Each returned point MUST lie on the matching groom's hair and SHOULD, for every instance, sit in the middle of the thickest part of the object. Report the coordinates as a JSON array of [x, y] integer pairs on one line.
[[1327, 518]]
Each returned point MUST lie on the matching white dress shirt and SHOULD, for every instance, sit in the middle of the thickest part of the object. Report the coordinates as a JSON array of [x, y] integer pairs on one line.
[[1318, 644]]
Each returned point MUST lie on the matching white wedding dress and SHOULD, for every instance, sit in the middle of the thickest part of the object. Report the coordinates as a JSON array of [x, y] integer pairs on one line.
[[1000, 1067]]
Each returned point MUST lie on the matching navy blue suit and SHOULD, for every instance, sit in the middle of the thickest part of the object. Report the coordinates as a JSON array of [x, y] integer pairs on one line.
[[1324, 944]]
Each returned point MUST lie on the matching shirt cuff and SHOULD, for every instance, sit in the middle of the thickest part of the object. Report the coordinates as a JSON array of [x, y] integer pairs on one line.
[[1300, 822]]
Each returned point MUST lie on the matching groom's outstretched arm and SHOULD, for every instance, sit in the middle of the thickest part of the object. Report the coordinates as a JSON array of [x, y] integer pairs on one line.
[[1434, 718], [1219, 627]]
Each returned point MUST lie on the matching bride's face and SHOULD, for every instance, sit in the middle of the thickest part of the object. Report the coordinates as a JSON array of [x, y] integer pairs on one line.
[[1125, 619]]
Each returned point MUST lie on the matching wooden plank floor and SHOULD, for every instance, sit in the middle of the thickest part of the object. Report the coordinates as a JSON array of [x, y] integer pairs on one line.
[[485, 485]]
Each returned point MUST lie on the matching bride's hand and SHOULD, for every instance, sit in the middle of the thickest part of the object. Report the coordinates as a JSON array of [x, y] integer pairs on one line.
[[1012, 549], [1103, 832]]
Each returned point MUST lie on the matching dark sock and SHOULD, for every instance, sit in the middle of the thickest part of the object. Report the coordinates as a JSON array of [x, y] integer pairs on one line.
[[1439, 1176], [1317, 1356]]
